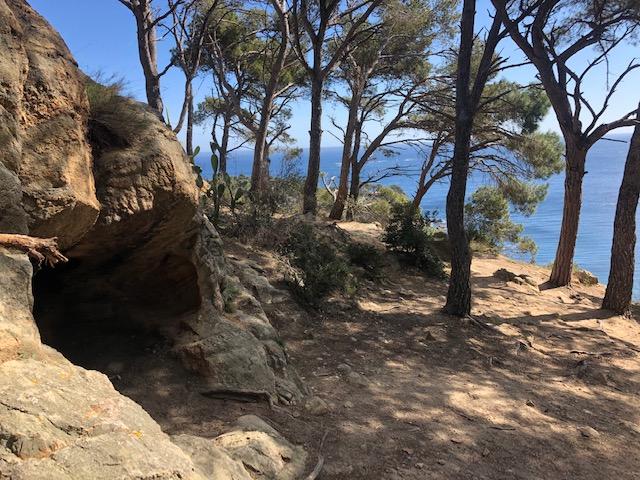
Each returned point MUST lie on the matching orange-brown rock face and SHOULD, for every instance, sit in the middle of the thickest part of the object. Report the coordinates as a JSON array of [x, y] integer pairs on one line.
[[43, 112]]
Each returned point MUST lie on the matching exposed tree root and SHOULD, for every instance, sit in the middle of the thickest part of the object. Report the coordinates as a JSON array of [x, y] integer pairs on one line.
[[318, 468], [40, 249]]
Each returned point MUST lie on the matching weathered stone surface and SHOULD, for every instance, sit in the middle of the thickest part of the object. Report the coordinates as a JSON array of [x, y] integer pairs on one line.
[[230, 339], [18, 333], [43, 135], [210, 460], [251, 450], [230, 358], [265, 453], [147, 194], [317, 406], [60, 421], [254, 281]]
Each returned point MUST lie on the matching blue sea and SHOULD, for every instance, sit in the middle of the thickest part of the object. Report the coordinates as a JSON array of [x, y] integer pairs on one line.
[[605, 164]]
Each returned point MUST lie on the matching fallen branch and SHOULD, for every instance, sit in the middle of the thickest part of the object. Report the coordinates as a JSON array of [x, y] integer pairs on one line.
[[595, 354], [40, 249]]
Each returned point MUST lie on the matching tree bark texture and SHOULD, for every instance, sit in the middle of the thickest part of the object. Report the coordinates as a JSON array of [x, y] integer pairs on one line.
[[620, 285]]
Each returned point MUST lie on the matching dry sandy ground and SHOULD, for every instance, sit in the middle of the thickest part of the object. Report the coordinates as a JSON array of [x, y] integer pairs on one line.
[[551, 392]]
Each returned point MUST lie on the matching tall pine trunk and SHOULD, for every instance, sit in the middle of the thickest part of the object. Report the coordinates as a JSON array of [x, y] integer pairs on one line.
[[310, 202], [563, 264], [459, 293], [259, 170], [620, 285], [354, 190], [343, 186], [224, 144], [189, 134]]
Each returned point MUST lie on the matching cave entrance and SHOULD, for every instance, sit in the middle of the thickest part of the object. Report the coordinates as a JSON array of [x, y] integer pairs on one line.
[[114, 317]]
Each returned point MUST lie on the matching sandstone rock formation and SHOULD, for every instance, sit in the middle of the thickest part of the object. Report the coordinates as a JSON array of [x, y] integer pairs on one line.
[[46, 158], [141, 253]]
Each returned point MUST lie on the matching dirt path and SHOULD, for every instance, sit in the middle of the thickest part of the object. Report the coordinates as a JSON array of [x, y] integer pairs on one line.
[[550, 391]]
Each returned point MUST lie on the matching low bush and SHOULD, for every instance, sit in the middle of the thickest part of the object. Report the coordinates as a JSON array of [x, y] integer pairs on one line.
[[366, 257], [409, 233], [376, 202], [320, 269]]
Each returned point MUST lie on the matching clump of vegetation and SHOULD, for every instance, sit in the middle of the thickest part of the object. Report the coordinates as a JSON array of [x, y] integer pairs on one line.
[[223, 189], [367, 257], [409, 233], [321, 271], [376, 203], [489, 223], [230, 293], [113, 120], [285, 189]]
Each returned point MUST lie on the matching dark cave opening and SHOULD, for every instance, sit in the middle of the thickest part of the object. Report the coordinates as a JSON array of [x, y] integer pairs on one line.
[[114, 316]]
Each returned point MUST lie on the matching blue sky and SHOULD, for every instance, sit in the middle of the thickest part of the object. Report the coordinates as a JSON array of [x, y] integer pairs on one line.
[[101, 36]]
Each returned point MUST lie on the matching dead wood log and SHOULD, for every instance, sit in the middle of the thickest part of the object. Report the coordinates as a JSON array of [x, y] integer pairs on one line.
[[40, 249]]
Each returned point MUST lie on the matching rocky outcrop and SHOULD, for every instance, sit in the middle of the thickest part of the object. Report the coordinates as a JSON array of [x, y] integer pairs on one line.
[[128, 218], [61, 422], [46, 158], [141, 253]]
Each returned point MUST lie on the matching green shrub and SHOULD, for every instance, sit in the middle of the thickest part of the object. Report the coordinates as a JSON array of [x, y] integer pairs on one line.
[[366, 257], [376, 202], [409, 233], [488, 222], [230, 292], [321, 270], [285, 194]]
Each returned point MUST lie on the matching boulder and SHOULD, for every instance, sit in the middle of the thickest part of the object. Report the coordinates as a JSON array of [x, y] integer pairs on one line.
[[212, 461], [255, 282], [519, 279], [251, 450]]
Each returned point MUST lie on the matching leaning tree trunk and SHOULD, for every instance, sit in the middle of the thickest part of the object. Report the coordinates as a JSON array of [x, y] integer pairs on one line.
[[563, 264], [146, 34], [421, 192], [620, 285], [310, 202], [459, 292]]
